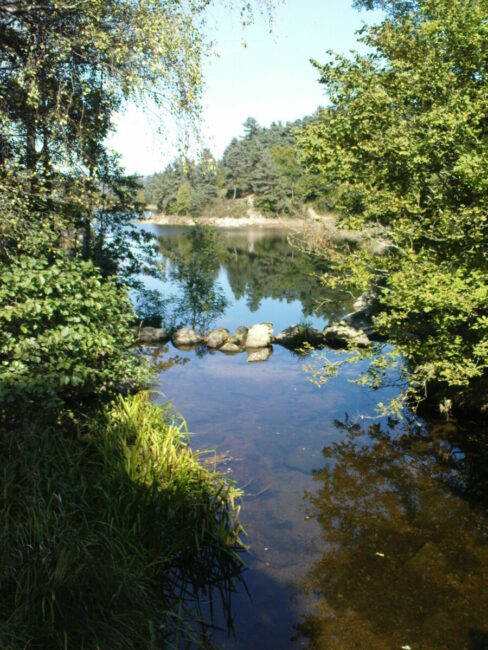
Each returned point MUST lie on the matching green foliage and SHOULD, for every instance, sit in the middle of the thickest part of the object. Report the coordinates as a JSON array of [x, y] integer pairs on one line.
[[263, 164], [111, 538], [185, 187], [405, 143], [65, 336]]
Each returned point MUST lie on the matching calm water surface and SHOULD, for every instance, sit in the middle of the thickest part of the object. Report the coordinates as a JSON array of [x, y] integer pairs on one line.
[[362, 533]]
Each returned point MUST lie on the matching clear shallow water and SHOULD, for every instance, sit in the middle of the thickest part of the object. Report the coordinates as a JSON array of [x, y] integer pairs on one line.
[[361, 533]]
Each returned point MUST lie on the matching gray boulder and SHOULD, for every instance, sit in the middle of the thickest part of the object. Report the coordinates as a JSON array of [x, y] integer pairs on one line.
[[186, 337], [153, 335], [363, 302], [261, 354], [260, 336], [296, 335], [230, 348], [289, 336], [217, 338], [342, 335], [315, 337], [240, 335]]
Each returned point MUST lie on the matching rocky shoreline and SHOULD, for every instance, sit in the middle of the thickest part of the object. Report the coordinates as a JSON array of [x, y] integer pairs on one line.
[[258, 339]]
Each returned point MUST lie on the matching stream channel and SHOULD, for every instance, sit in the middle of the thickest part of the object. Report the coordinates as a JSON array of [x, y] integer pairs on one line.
[[362, 532]]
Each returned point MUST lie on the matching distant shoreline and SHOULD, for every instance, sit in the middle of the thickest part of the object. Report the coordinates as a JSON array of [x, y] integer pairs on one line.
[[253, 219]]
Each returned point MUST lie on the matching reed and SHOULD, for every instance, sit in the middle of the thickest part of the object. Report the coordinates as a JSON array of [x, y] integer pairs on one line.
[[113, 537]]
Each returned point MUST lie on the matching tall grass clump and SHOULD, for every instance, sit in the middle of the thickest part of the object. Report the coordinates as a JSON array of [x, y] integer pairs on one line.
[[114, 536]]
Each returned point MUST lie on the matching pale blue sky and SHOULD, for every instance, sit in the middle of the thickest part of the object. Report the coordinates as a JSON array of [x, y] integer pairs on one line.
[[269, 78]]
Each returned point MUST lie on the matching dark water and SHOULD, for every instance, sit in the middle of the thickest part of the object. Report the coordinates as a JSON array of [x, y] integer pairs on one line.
[[362, 532]]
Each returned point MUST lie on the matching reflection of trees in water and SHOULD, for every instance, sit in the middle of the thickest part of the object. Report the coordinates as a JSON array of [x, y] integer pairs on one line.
[[273, 269], [258, 266], [195, 261], [405, 525]]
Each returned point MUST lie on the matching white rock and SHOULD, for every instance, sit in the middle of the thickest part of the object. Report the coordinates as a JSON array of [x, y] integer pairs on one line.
[[259, 336], [217, 338], [342, 335], [230, 348], [186, 337]]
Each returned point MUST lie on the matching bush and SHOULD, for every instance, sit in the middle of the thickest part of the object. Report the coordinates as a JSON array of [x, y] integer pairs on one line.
[[65, 335], [109, 537]]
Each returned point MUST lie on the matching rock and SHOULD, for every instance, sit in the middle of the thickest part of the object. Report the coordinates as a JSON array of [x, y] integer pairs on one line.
[[289, 336], [259, 336], [315, 337], [230, 348], [261, 354], [240, 335], [342, 335], [296, 335], [153, 335], [186, 337], [363, 302], [217, 338]]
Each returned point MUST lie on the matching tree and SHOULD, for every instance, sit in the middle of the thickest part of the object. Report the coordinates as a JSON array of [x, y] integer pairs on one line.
[[65, 338], [405, 140], [235, 165]]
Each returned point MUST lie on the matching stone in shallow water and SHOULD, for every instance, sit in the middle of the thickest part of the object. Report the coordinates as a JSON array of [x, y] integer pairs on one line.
[[296, 335], [230, 348], [304, 460], [261, 354], [259, 336], [153, 335], [341, 335], [240, 335], [186, 337], [217, 338]]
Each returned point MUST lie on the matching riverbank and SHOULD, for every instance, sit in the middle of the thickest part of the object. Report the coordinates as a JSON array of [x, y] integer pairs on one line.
[[250, 219]]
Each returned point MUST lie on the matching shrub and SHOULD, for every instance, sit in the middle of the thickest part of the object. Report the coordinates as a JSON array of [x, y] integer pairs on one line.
[[65, 335]]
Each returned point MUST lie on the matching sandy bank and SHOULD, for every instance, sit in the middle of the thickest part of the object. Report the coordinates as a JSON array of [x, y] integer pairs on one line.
[[252, 220]]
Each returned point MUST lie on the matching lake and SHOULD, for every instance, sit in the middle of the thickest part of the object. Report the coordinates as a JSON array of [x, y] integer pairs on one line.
[[362, 532]]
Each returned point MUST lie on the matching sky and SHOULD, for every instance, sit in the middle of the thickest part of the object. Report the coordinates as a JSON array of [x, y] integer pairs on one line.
[[258, 73]]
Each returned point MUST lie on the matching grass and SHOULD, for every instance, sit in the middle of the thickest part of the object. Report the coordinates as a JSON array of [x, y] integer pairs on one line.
[[112, 537]]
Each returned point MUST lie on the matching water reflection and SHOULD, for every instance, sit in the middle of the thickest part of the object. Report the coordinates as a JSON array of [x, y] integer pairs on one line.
[[396, 551], [244, 276], [194, 268], [406, 544]]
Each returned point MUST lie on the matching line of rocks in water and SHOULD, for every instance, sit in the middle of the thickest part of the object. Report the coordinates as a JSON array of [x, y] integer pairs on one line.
[[258, 339]]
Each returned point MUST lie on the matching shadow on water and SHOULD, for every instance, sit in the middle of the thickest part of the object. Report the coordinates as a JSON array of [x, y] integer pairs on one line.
[[405, 537]]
